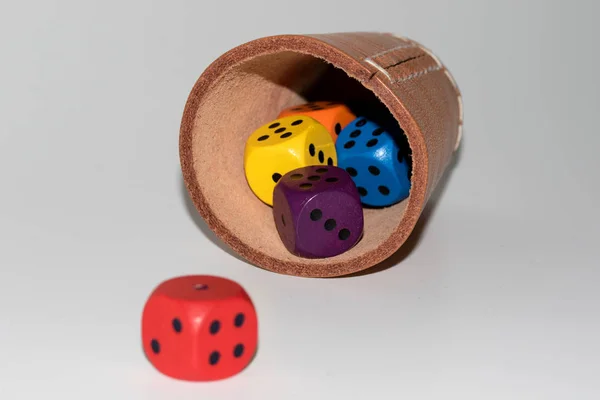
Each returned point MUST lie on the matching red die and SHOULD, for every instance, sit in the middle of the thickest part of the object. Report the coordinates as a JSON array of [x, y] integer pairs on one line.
[[199, 328]]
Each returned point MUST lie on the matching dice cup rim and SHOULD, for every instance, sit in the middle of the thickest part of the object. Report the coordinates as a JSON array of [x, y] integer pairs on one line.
[[315, 46]]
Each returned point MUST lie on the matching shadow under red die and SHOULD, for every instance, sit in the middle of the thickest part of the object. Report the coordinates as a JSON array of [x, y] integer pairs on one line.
[[199, 328]]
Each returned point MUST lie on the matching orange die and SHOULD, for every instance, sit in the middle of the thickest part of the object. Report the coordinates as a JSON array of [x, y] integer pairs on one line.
[[332, 115]]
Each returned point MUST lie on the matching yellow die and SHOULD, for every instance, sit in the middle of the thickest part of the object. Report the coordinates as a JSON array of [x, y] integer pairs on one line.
[[281, 146]]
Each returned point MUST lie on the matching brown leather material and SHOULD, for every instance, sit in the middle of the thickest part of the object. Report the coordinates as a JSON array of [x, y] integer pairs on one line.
[[248, 86]]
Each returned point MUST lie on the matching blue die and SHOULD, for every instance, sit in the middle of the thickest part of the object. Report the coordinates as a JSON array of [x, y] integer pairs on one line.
[[378, 161]]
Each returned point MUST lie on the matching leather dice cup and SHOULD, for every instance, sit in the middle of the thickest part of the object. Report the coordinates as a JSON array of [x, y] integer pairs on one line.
[[287, 78]]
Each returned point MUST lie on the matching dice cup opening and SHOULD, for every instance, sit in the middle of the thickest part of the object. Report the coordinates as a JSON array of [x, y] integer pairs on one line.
[[248, 86]]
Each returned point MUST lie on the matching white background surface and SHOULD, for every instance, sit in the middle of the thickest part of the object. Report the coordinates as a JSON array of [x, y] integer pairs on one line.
[[498, 298]]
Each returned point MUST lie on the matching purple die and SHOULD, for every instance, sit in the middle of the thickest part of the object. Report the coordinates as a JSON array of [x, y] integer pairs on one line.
[[317, 211]]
